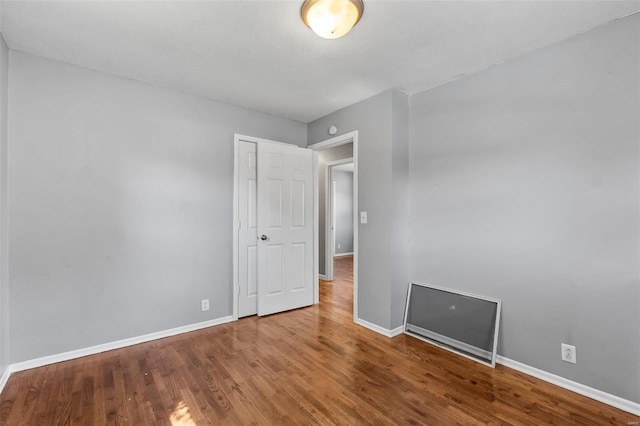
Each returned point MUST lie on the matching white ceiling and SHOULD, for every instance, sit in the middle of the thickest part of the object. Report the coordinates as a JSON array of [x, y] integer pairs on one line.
[[259, 54]]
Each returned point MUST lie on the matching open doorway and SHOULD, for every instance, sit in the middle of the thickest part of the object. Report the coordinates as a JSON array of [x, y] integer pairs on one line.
[[332, 153], [340, 209]]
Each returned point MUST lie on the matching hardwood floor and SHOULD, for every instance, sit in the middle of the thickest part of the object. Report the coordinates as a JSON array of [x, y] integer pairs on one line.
[[308, 366]]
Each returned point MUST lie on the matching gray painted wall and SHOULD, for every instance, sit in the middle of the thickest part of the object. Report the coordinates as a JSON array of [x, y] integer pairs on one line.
[[399, 207], [525, 186], [373, 119], [4, 236], [343, 198], [121, 205], [325, 156]]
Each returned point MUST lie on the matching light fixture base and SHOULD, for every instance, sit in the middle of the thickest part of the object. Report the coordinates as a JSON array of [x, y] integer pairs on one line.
[[331, 19]]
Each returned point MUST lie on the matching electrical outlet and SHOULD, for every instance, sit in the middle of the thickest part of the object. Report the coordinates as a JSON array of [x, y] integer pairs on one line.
[[568, 353], [205, 305], [339, 246]]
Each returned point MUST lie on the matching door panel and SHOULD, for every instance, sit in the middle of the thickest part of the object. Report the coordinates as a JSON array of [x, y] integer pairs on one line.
[[252, 263], [273, 283], [285, 218], [297, 204], [273, 206], [298, 266], [247, 232]]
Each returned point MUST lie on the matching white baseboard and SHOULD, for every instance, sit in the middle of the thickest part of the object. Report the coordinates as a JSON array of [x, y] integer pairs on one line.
[[381, 330], [343, 254], [396, 331], [5, 377], [598, 395], [92, 350]]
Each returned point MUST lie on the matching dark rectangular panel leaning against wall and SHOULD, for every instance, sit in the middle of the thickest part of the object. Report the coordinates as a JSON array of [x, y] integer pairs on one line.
[[461, 322]]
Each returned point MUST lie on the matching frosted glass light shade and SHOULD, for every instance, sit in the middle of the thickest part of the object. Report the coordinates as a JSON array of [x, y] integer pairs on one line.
[[331, 18]]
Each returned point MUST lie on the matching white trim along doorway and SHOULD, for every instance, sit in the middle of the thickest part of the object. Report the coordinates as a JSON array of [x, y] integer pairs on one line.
[[351, 137]]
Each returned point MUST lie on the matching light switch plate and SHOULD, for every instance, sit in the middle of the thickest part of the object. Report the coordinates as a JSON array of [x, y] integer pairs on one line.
[[363, 217]]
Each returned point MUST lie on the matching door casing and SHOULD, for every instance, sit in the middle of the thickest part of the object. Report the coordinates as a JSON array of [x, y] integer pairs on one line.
[[351, 137]]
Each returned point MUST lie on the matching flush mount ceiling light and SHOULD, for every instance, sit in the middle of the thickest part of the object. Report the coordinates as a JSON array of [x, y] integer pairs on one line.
[[331, 18]]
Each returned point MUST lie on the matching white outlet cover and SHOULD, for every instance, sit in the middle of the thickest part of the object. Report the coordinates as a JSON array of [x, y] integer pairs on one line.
[[363, 217], [205, 305], [568, 353]]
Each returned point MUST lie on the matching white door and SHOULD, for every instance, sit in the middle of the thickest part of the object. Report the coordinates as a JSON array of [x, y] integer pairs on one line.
[[247, 230], [285, 227]]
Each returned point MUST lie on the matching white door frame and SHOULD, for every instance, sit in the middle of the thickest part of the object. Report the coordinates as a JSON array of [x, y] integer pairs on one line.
[[351, 137], [237, 138], [330, 235]]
